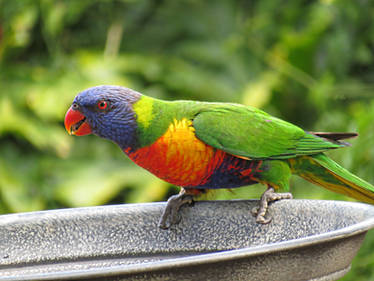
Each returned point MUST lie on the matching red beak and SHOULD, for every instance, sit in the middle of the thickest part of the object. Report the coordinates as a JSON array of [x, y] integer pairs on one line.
[[75, 123]]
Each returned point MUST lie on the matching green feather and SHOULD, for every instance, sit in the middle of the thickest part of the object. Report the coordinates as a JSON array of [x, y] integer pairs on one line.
[[323, 171], [252, 133]]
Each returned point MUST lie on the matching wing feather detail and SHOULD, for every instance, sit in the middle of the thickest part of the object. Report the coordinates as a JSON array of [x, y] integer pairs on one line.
[[251, 133]]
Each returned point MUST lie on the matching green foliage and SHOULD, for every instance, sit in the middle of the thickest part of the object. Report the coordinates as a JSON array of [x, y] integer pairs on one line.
[[309, 62]]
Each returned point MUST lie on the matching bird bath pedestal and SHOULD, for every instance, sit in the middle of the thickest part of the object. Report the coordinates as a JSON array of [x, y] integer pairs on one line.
[[215, 240]]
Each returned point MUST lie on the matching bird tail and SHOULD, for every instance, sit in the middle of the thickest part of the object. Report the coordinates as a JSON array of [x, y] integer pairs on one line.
[[323, 171]]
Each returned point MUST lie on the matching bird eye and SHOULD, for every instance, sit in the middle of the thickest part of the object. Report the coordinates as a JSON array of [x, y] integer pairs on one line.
[[102, 105], [75, 106]]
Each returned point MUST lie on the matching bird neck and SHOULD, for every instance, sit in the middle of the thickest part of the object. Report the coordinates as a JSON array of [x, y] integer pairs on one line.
[[153, 118]]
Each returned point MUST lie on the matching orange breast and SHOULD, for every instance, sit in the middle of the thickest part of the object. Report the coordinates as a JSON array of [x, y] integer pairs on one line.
[[178, 157]]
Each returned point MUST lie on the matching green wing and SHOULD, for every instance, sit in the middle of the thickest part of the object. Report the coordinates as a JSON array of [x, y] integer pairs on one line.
[[252, 133]]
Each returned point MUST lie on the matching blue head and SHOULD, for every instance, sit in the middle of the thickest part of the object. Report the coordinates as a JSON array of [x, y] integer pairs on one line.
[[105, 111]]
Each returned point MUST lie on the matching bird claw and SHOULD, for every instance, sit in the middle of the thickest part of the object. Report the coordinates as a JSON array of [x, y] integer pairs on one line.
[[172, 207], [267, 197], [260, 218]]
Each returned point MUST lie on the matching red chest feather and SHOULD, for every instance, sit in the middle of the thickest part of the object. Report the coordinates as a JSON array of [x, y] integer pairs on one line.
[[178, 157]]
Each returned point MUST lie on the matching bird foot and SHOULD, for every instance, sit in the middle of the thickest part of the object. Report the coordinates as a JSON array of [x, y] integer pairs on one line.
[[172, 207], [267, 197]]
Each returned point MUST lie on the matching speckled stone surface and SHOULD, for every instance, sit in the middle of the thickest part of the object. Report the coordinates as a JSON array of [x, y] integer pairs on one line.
[[216, 240]]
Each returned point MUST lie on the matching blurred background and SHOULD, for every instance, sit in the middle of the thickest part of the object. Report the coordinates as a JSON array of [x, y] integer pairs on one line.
[[308, 62]]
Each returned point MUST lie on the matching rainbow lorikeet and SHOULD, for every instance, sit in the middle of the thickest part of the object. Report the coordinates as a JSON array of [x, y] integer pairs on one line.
[[201, 145]]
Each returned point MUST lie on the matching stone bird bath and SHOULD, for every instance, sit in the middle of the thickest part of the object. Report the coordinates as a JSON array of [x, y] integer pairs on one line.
[[216, 240]]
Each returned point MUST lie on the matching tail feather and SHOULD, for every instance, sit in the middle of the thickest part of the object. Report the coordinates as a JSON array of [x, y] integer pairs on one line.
[[323, 171], [336, 137]]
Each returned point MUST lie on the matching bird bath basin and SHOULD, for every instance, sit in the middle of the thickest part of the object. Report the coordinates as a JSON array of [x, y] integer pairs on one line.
[[216, 240]]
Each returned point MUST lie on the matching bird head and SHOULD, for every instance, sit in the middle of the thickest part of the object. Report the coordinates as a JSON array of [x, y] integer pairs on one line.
[[105, 111]]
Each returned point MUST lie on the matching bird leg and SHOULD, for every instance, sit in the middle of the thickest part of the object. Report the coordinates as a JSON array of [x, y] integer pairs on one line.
[[172, 207], [267, 197]]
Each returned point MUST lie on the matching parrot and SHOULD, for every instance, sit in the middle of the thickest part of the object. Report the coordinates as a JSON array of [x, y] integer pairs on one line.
[[199, 146]]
